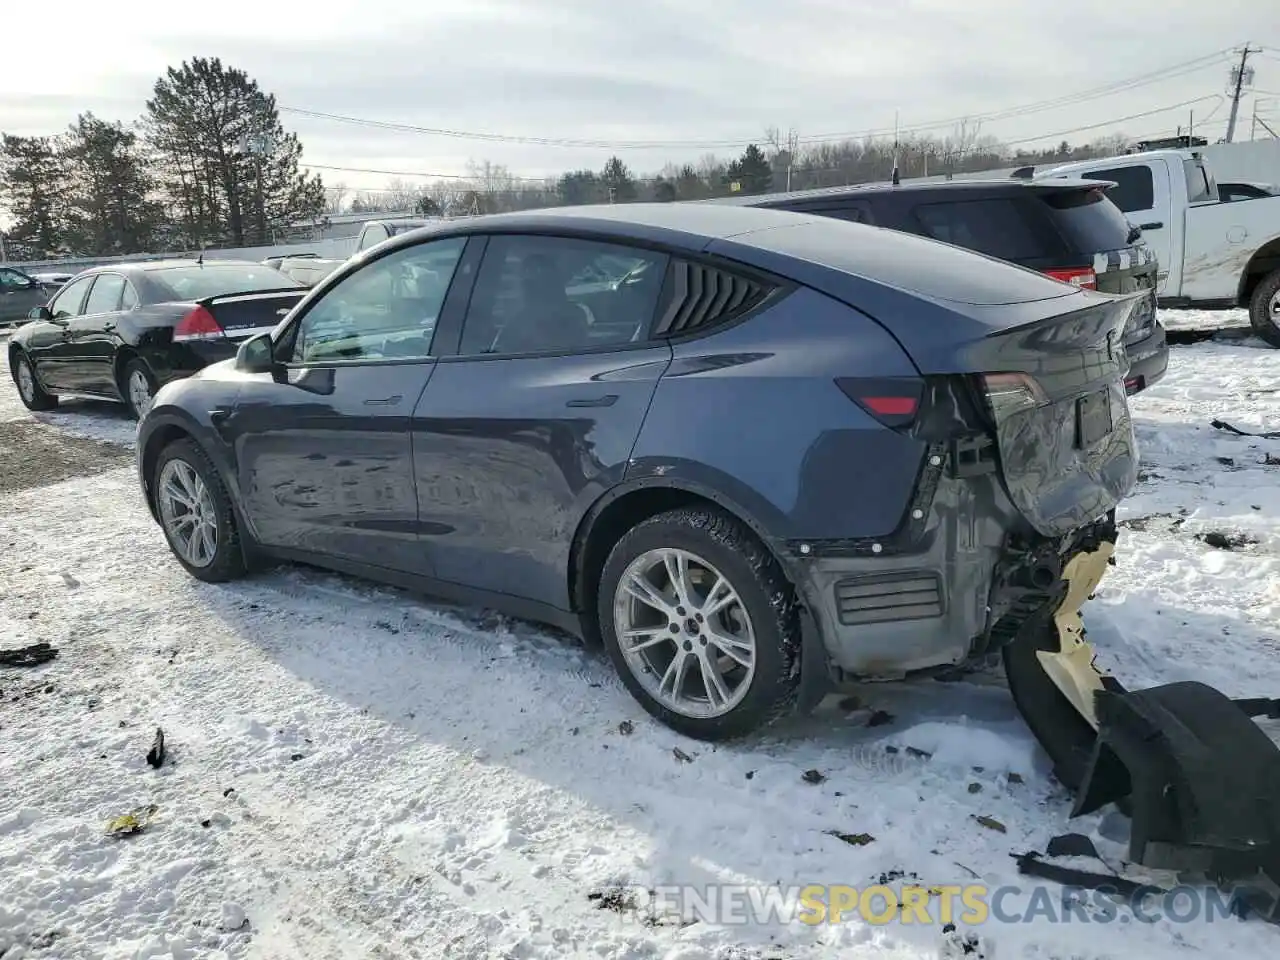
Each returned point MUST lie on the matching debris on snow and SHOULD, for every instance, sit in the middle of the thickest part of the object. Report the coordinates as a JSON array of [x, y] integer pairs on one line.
[[155, 756], [680, 755], [132, 823], [30, 656], [991, 823], [813, 776], [1227, 541], [853, 839]]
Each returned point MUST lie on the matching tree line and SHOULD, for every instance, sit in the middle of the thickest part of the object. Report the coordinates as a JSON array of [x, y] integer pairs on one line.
[[760, 168], [207, 164]]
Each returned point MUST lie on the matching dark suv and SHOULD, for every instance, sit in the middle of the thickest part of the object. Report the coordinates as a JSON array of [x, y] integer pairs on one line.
[[742, 447], [1067, 229]]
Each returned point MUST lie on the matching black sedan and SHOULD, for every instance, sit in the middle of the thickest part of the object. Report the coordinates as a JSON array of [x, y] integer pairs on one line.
[[120, 332]]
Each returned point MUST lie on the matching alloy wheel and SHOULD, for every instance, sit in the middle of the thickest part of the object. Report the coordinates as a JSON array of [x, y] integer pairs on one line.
[[685, 633], [1273, 310], [187, 512], [139, 391], [26, 382]]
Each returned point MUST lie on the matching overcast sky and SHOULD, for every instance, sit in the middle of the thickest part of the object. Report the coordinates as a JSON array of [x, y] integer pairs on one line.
[[687, 71]]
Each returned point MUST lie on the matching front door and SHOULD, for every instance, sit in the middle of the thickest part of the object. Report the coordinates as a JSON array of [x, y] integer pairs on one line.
[[50, 345], [323, 447], [538, 412]]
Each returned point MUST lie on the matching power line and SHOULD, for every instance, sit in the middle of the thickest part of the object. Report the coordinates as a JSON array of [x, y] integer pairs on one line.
[[1167, 73], [542, 180]]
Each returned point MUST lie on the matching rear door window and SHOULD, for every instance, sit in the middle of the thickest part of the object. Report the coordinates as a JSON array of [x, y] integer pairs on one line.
[[1135, 187], [372, 236], [1087, 220], [105, 296], [998, 227]]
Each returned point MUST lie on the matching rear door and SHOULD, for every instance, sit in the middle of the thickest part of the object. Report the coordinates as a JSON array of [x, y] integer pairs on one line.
[[538, 410], [323, 449], [93, 336]]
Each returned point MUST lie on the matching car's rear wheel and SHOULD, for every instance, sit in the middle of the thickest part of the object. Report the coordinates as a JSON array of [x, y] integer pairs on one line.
[[139, 387], [32, 395], [701, 624], [195, 512], [1264, 309]]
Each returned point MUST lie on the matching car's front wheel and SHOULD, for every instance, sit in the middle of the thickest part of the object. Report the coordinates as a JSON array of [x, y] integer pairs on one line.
[[195, 512], [32, 395], [701, 624]]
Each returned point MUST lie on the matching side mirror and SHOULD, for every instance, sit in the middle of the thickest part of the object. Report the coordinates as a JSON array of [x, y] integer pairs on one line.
[[256, 355], [40, 313]]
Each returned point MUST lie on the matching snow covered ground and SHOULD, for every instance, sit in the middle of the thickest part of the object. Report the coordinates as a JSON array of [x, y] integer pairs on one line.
[[354, 772]]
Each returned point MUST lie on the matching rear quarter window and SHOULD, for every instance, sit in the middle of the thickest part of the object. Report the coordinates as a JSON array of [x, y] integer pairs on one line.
[[999, 227], [1088, 220]]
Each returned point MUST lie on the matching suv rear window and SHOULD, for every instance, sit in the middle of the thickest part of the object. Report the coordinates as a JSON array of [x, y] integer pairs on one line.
[[997, 227], [1088, 221]]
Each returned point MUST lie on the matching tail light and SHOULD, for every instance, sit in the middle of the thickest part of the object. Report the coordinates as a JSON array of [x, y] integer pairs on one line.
[[1076, 276], [199, 324], [1010, 393], [893, 401]]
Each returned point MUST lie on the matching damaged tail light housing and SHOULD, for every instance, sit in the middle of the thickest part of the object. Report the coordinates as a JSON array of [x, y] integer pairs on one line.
[[1010, 393]]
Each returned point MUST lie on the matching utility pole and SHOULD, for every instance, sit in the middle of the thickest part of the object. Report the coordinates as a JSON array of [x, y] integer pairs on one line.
[[896, 178], [1240, 76]]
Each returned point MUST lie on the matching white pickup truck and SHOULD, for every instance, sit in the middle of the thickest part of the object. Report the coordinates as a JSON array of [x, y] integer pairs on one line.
[[310, 270], [1212, 254]]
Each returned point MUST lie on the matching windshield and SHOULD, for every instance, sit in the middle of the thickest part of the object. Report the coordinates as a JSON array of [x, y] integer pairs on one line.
[[218, 279]]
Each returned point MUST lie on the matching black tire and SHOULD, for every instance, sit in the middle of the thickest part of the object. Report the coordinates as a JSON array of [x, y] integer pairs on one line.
[[766, 595], [39, 399], [1265, 323], [138, 367], [1065, 735], [228, 558]]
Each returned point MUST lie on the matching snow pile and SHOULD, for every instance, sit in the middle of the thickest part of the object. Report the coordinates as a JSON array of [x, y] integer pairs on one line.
[[353, 772]]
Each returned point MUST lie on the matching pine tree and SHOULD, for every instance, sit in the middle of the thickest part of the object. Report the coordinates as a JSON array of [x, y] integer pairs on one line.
[[32, 176], [751, 171], [109, 189], [228, 168], [619, 185]]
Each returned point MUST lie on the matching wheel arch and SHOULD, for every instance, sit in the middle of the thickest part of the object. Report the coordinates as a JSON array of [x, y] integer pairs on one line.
[[168, 426], [1264, 261], [119, 363], [625, 506]]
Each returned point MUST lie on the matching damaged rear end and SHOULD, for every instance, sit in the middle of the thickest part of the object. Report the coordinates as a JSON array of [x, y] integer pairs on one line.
[[1024, 410]]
